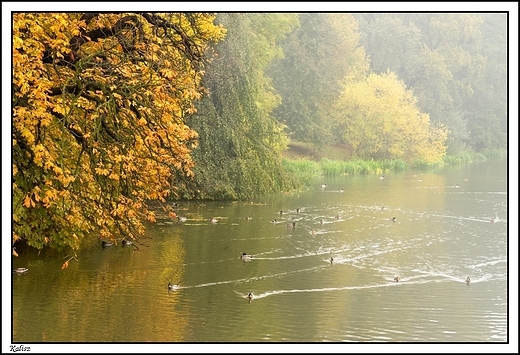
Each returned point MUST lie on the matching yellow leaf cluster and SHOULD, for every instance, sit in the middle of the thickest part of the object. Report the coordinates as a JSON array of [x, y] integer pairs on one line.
[[383, 121], [98, 119]]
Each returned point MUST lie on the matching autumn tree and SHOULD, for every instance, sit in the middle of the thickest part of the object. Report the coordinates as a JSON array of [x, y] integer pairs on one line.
[[99, 108], [381, 120]]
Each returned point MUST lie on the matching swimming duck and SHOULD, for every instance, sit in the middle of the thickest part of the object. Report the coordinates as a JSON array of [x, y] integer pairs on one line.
[[293, 224], [324, 186], [172, 287], [331, 261], [341, 190], [382, 177], [337, 216], [274, 221], [213, 220], [280, 213], [249, 218], [468, 280], [392, 219], [104, 243], [246, 257], [182, 219], [297, 210], [250, 296], [321, 221], [126, 242], [20, 270], [397, 279]]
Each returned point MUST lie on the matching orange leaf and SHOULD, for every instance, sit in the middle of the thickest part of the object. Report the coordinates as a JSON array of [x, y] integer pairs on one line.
[[27, 201]]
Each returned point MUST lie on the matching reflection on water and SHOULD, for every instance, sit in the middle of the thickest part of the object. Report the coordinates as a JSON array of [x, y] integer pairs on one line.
[[432, 230]]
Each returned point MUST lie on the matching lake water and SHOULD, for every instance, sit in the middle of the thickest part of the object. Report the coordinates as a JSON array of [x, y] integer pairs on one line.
[[449, 224]]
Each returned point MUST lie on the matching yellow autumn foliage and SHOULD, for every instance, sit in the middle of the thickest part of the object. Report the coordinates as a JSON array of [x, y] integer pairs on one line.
[[381, 120], [99, 103]]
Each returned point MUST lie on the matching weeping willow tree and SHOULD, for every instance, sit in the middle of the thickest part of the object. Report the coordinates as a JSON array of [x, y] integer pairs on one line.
[[240, 142]]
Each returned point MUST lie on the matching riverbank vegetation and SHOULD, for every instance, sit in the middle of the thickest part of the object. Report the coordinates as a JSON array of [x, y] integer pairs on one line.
[[308, 165], [114, 113]]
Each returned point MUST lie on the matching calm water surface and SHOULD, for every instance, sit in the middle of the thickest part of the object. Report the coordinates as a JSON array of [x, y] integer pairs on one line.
[[442, 233]]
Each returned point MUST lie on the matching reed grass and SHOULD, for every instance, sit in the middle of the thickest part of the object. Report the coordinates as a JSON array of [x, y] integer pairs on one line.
[[308, 172], [305, 171], [464, 158]]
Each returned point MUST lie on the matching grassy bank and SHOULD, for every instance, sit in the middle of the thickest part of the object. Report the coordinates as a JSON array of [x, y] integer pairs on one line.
[[306, 170], [307, 163]]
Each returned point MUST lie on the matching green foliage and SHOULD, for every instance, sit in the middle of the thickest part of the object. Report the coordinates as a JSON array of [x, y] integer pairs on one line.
[[455, 63], [394, 165], [240, 142], [307, 172], [318, 56], [494, 154], [464, 158], [487, 107], [332, 167]]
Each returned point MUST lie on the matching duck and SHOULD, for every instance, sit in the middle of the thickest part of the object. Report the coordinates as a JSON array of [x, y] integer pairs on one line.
[[280, 213], [126, 242], [172, 287], [20, 270], [293, 224], [246, 257], [397, 279], [213, 220], [468, 280], [104, 243], [337, 216], [392, 219], [182, 219], [249, 218], [382, 177], [331, 261], [324, 186], [341, 190], [298, 210], [274, 221], [249, 296], [321, 221]]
